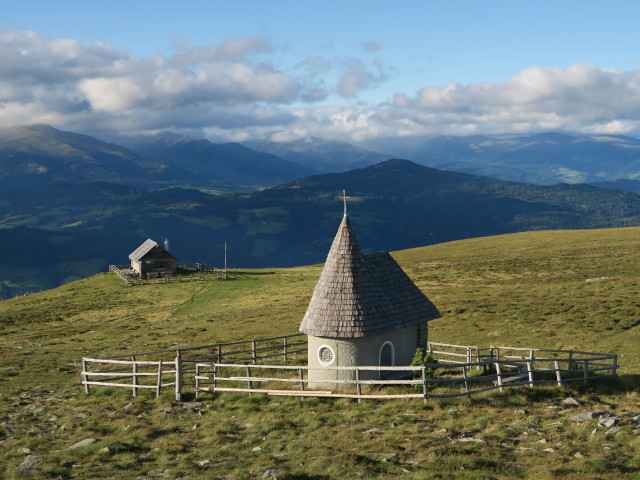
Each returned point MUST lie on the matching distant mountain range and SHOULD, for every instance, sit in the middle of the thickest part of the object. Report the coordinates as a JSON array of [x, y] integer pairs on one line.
[[58, 232], [322, 155], [71, 204], [40, 154], [544, 159], [229, 162]]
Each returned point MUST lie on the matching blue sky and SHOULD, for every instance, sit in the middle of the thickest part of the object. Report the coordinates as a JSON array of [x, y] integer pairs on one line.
[[349, 70]]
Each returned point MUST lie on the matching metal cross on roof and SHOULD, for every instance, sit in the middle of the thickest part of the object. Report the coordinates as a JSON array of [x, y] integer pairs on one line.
[[344, 198]]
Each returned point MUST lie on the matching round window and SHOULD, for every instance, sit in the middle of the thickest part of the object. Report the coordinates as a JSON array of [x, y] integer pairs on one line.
[[326, 355]]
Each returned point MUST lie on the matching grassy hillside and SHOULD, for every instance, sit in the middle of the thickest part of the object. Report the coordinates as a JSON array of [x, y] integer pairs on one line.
[[560, 289], [395, 205]]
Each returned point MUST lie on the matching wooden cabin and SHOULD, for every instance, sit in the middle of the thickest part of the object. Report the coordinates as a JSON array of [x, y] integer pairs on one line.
[[365, 311], [151, 258]]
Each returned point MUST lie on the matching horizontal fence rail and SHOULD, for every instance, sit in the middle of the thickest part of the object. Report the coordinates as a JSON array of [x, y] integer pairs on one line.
[[285, 348], [247, 379], [460, 353], [461, 370], [433, 380], [203, 267], [122, 275], [201, 271], [143, 374]]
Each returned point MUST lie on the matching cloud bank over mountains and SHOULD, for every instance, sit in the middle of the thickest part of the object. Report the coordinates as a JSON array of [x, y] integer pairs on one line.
[[241, 89]]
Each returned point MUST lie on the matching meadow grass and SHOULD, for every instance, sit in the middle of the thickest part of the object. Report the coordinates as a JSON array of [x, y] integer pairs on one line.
[[576, 289]]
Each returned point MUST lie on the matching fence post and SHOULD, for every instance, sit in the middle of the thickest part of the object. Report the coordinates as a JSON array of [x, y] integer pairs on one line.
[[358, 386], [558, 373], [215, 378], [286, 349], [464, 375], [197, 379], [135, 376], [253, 351], [301, 376], [159, 382], [586, 372], [178, 376], [249, 382], [499, 372], [85, 376], [530, 372], [570, 360], [219, 353], [425, 386]]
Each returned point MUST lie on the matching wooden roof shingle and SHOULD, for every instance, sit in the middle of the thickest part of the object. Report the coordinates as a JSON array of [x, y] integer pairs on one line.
[[361, 295]]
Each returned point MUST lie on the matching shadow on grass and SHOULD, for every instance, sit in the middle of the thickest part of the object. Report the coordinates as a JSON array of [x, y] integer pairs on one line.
[[523, 395], [249, 273], [619, 384]]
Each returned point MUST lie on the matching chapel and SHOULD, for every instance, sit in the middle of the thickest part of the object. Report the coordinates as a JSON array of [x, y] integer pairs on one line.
[[364, 311]]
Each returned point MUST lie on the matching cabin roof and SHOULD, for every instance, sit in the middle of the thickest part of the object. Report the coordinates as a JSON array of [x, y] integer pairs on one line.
[[361, 295], [145, 248]]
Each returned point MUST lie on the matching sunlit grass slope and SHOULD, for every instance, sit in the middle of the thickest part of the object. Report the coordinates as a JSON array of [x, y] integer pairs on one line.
[[552, 289], [559, 289]]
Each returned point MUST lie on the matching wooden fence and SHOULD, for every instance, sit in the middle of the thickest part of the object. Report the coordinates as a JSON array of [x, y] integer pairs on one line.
[[140, 367], [117, 371], [461, 370], [203, 267], [118, 270], [201, 271], [434, 380], [243, 379], [447, 353]]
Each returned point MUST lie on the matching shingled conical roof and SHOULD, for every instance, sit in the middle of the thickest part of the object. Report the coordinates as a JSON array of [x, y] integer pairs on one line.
[[362, 295]]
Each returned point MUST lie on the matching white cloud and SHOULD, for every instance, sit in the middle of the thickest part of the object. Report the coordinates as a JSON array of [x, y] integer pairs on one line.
[[235, 90], [37, 72], [111, 94], [578, 97]]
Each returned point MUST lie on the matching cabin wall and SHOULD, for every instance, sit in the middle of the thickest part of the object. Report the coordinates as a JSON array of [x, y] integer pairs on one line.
[[136, 267], [156, 263]]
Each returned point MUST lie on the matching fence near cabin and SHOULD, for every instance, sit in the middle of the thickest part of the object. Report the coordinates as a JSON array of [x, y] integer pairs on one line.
[[119, 270], [144, 374], [203, 267], [433, 380], [201, 271], [447, 353], [138, 368], [235, 367]]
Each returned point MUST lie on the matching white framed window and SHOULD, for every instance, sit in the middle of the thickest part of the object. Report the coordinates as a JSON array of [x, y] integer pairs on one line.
[[326, 355], [387, 355]]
